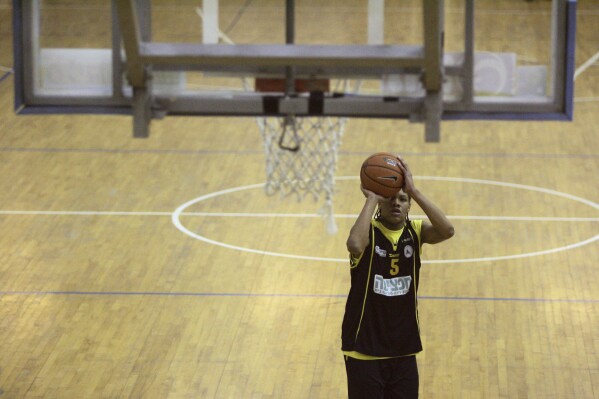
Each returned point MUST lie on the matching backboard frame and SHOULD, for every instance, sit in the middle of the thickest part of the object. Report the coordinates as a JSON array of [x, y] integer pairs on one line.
[[131, 34]]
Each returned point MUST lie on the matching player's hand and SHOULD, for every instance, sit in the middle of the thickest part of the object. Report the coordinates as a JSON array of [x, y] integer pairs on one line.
[[408, 181], [370, 194]]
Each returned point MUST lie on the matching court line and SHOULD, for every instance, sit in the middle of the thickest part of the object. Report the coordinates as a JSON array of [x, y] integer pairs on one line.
[[130, 151], [179, 225], [586, 99], [586, 65], [278, 295], [175, 218], [260, 152], [293, 215], [84, 213], [6, 75]]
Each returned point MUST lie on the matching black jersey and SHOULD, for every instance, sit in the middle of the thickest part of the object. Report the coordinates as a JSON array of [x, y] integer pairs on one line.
[[381, 313]]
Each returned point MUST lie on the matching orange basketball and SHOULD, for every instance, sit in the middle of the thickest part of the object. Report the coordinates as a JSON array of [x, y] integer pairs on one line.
[[381, 174]]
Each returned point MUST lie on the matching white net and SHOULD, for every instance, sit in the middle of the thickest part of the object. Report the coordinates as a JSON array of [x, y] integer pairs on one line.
[[301, 158], [301, 153]]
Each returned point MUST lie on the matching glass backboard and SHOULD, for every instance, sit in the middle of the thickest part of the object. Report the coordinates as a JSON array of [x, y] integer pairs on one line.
[[426, 61]]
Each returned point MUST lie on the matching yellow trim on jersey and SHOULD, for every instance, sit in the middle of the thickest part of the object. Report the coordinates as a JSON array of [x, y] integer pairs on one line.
[[361, 356], [416, 277], [367, 283], [393, 235]]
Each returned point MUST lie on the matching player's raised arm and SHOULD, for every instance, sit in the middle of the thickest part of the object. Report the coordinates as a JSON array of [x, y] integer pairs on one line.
[[439, 228], [358, 235]]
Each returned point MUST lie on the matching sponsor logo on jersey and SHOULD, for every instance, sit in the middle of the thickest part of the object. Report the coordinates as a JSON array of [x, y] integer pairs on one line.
[[408, 251], [380, 252], [393, 286]]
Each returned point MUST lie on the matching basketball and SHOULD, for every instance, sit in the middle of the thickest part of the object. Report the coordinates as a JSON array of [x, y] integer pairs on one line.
[[380, 173]]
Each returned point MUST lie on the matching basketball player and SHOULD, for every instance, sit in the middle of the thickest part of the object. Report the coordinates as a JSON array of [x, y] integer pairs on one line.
[[380, 332]]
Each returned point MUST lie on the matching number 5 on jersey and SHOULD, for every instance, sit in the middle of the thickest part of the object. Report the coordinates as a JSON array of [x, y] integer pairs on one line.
[[394, 267]]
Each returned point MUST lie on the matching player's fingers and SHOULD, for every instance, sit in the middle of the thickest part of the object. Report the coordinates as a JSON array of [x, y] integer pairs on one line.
[[403, 164], [401, 160]]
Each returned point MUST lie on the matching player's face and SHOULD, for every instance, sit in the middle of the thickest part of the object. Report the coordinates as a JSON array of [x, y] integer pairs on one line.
[[395, 209]]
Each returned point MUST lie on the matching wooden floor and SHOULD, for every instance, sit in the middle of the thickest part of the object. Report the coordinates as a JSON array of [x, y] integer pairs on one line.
[[102, 296]]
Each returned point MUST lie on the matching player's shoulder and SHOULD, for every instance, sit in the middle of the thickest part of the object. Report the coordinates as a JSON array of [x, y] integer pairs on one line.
[[417, 226]]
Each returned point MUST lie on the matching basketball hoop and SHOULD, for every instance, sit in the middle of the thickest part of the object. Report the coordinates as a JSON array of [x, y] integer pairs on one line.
[[301, 152]]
